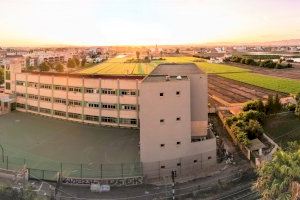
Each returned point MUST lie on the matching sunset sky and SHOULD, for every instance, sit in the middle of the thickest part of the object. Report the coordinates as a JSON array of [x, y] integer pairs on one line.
[[146, 22]]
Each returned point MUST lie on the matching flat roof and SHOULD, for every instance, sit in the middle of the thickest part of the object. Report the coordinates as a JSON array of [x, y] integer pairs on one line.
[[160, 78], [176, 69], [172, 72]]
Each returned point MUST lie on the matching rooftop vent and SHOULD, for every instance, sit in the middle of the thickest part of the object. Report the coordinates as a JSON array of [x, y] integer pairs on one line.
[[168, 78], [179, 78]]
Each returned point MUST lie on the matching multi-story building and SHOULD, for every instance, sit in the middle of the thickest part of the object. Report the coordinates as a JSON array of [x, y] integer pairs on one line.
[[169, 106], [173, 115]]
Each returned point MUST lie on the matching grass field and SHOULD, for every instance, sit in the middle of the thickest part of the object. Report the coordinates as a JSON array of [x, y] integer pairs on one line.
[[45, 142], [283, 128], [269, 82]]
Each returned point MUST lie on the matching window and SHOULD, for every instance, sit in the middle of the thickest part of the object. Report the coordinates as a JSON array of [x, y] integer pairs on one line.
[[32, 108], [108, 106], [161, 120], [32, 96], [21, 95], [7, 86], [162, 167], [91, 90], [75, 89], [20, 105], [108, 91], [43, 98], [92, 105], [109, 119], [21, 83], [60, 87], [162, 145], [32, 84], [59, 113], [7, 75], [46, 86], [178, 143], [62, 101], [161, 94], [128, 92], [195, 161], [128, 107], [45, 110], [74, 115], [178, 164], [177, 93], [74, 103], [209, 157], [128, 121], [178, 118], [91, 118]]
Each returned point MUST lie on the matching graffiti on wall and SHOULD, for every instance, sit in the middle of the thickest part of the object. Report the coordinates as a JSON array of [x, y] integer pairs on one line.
[[114, 182]]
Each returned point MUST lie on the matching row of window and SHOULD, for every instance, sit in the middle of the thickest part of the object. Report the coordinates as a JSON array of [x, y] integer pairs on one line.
[[127, 121], [79, 103], [179, 164], [108, 91], [162, 121], [162, 94]]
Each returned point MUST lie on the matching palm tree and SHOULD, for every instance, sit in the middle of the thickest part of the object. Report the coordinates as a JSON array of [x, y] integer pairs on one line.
[[276, 176]]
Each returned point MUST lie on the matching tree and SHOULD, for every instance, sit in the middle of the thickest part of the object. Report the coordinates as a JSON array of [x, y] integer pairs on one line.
[[83, 62], [297, 109], [77, 61], [71, 63], [59, 67], [270, 105], [1, 76], [44, 67], [257, 105], [8, 193], [276, 176], [137, 53], [254, 129], [277, 104]]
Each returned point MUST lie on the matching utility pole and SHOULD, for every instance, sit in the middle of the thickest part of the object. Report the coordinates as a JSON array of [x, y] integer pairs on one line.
[[174, 175]]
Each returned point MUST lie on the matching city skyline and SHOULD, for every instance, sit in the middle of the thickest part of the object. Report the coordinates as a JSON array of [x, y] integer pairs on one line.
[[131, 22]]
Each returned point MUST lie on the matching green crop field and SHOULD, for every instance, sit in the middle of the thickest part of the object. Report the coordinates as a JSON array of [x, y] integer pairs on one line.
[[269, 82]]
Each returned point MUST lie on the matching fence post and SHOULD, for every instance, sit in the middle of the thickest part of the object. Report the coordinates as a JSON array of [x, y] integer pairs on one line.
[[6, 162], [43, 174], [81, 173], [61, 168], [101, 175], [24, 161], [122, 170]]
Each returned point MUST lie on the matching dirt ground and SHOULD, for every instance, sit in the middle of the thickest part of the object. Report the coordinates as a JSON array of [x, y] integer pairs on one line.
[[232, 92]]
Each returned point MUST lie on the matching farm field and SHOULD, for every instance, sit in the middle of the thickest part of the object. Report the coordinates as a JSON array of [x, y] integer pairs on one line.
[[232, 91], [291, 73], [284, 84], [283, 128], [278, 84], [116, 66]]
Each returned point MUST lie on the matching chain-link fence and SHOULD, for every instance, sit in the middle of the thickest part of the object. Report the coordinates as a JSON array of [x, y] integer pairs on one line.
[[49, 170]]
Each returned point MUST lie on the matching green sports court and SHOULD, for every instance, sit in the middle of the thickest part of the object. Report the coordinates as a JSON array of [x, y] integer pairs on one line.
[[76, 149]]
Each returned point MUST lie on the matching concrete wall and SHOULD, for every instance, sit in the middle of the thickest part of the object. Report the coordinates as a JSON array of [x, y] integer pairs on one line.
[[199, 102]]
